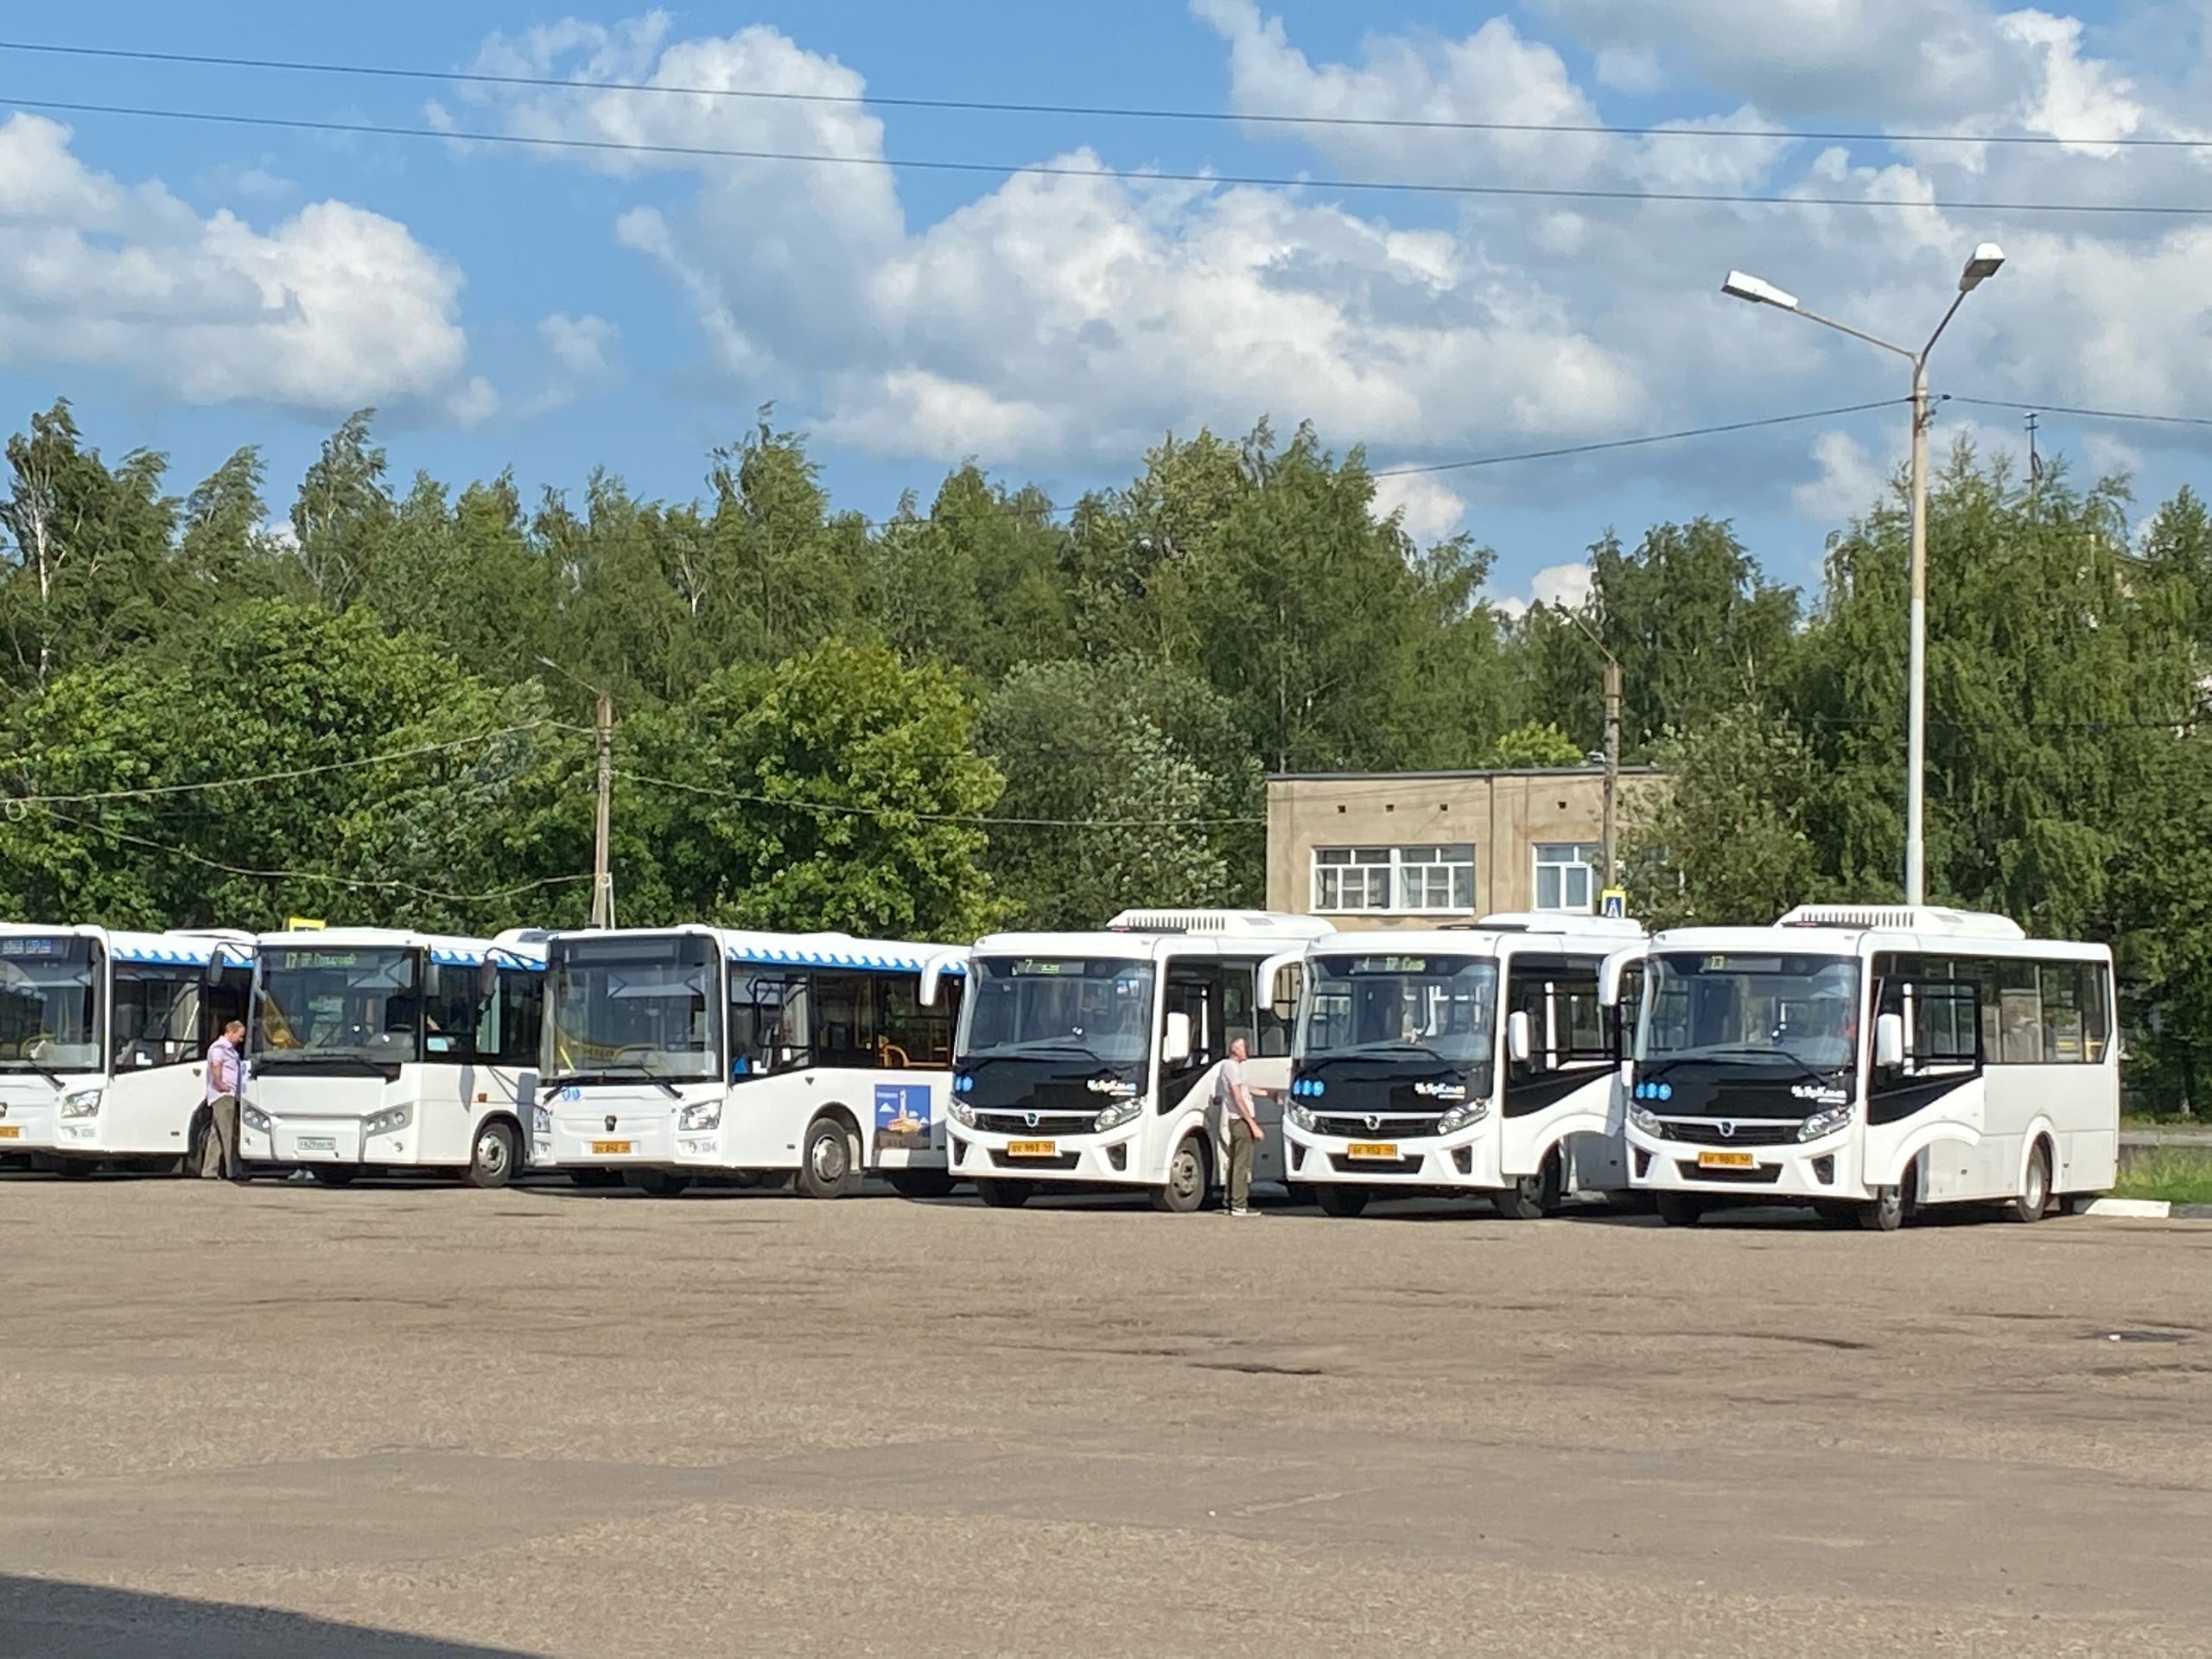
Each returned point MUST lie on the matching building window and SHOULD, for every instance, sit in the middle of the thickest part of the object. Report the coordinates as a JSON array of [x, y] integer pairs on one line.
[[1566, 875], [1409, 880]]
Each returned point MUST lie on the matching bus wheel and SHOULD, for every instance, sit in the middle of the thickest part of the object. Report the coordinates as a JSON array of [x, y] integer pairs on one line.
[[1680, 1209], [1004, 1195], [827, 1168], [334, 1174], [656, 1183], [1532, 1196], [492, 1163], [920, 1183], [2035, 1190], [1337, 1200], [1185, 1188], [1886, 1213], [601, 1178]]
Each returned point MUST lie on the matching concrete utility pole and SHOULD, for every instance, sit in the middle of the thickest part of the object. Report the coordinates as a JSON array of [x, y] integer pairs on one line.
[[1979, 267], [1613, 767], [602, 732], [603, 875]]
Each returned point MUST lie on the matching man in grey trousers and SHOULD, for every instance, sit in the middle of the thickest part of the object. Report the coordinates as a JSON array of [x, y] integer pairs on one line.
[[1240, 1127], [220, 1161]]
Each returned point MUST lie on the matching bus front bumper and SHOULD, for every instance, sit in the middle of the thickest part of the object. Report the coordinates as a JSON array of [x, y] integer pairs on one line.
[[1468, 1159], [1108, 1160], [1799, 1172]]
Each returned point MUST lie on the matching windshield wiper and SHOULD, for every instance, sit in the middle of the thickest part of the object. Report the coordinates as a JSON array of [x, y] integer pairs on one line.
[[1041, 1046], [608, 1074], [1399, 1045], [48, 1072], [288, 1058]]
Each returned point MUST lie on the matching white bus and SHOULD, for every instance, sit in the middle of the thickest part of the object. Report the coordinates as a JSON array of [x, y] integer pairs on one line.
[[372, 1049], [682, 1054], [1087, 1059], [102, 1040], [1868, 1062], [1473, 1060]]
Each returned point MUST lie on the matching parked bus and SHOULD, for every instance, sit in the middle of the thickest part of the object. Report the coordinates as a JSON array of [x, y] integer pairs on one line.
[[686, 1053], [1473, 1060], [102, 1042], [372, 1049], [1087, 1059], [1870, 1062]]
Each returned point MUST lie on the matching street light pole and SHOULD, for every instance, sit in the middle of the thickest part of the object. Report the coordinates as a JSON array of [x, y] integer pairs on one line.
[[1979, 267], [602, 732], [1612, 706]]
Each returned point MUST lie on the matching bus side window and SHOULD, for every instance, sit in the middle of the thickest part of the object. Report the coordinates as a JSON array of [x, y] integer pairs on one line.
[[1278, 1014], [845, 1020], [908, 1034]]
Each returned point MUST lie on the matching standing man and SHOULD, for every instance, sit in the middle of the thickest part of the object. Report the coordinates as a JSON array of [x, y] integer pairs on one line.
[[220, 1161], [1241, 1128]]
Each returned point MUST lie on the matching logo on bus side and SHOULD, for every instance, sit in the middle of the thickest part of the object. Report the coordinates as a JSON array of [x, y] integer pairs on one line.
[[902, 1113]]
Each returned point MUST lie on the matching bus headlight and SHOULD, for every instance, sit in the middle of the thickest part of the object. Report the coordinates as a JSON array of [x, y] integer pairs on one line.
[[1828, 1122], [391, 1121], [701, 1114], [1120, 1112], [1644, 1118], [84, 1102], [1297, 1116], [254, 1118], [1466, 1112], [963, 1114], [541, 1121]]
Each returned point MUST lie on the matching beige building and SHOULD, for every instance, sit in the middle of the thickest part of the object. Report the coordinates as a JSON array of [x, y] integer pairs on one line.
[[1421, 848]]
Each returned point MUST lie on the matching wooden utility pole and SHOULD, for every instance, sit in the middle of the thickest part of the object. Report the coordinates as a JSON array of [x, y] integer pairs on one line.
[[603, 874]]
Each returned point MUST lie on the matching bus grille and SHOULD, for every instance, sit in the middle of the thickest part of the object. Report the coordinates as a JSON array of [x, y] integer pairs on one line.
[[1706, 1132], [1045, 1123], [1382, 1128]]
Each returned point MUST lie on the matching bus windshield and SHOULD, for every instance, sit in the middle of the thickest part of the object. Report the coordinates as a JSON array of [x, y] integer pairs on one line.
[[1421, 1006], [336, 1003], [1744, 1008], [633, 1005], [49, 1004], [1098, 1009]]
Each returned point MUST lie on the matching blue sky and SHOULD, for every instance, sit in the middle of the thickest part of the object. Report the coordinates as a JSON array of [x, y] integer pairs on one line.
[[192, 288]]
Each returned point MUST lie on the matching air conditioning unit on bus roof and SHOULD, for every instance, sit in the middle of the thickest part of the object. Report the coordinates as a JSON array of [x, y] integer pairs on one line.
[[1907, 918], [1553, 921], [1219, 921]]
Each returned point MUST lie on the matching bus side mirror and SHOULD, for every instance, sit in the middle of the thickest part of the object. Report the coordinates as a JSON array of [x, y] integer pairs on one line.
[[1175, 1041], [1889, 1041], [1520, 1037]]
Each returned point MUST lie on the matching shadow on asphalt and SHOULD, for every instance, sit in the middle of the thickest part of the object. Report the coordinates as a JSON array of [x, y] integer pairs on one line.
[[54, 1619]]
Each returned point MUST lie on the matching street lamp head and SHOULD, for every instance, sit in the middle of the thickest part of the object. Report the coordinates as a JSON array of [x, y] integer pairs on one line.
[[1743, 286], [1980, 267]]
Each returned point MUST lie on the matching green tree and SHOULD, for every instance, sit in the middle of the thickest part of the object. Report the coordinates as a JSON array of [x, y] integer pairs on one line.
[[836, 789], [1535, 743], [1725, 840]]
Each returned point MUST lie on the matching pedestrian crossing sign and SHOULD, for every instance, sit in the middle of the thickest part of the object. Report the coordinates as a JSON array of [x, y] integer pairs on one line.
[[1613, 901]]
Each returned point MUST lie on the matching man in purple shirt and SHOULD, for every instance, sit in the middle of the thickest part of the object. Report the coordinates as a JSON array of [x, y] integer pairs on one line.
[[220, 1160]]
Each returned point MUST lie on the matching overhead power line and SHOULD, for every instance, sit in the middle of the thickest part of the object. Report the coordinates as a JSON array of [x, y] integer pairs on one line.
[[95, 827], [2085, 414], [1065, 170], [835, 809], [1099, 111], [152, 790], [1632, 443]]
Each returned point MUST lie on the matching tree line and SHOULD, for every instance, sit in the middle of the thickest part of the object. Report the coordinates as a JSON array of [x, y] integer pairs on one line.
[[995, 708]]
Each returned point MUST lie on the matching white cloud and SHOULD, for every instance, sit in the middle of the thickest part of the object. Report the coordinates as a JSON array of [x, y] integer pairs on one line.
[[1432, 509], [333, 307], [1566, 585], [1849, 485], [579, 345]]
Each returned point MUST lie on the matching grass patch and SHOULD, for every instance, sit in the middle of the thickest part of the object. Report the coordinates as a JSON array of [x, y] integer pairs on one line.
[[2177, 1175]]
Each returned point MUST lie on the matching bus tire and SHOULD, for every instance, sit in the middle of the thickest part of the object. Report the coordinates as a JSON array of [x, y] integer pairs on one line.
[[1004, 1195], [334, 1174], [920, 1183], [1184, 1189], [1885, 1213], [1337, 1199], [1680, 1209], [491, 1160], [828, 1165], [656, 1183], [2034, 1200], [1532, 1197], [595, 1178]]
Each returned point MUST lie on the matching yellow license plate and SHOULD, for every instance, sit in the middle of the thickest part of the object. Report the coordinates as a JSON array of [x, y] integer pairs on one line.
[[12, 1131], [600, 1148], [1372, 1149], [1033, 1148], [1725, 1160]]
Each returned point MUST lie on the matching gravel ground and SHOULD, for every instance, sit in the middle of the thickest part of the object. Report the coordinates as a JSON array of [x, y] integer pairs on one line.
[[403, 1422]]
